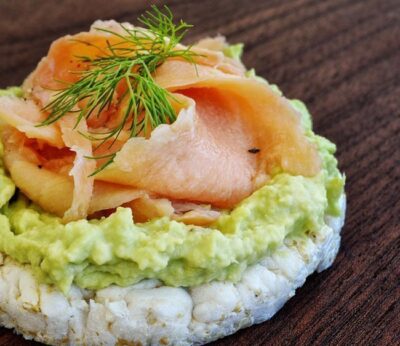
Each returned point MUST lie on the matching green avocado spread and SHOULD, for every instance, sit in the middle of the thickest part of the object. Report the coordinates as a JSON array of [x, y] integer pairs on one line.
[[114, 250]]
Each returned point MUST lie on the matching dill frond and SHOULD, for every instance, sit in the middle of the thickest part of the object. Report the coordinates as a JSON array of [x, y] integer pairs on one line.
[[132, 60]]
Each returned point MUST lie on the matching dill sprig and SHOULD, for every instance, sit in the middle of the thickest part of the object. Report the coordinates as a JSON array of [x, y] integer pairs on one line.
[[133, 60]]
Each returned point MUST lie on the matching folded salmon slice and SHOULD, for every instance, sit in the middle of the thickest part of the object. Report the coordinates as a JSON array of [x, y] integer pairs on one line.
[[41, 173], [232, 132], [24, 115], [202, 157], [276, 125]]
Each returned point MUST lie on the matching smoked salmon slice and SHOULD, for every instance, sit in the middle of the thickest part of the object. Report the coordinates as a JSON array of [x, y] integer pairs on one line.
[[231, 134]]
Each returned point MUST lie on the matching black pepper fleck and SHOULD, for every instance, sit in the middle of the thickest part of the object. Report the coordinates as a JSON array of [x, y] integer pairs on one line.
[[253, 150]]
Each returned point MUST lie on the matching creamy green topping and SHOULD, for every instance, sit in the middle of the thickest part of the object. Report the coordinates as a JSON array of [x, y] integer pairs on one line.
[[12, 91], [114, 250], [234, 51]]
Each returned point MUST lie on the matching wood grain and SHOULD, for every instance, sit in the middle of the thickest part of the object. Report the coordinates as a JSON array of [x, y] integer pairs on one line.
[[342, 58]]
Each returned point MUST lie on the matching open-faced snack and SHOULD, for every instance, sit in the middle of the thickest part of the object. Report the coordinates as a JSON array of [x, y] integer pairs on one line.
[[156, 193]]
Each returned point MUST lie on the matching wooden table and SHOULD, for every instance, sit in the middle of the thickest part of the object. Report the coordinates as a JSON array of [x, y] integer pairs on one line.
[[343, 59]]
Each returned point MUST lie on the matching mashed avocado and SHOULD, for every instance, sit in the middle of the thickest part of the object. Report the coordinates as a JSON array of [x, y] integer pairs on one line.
[[114, 250], [234, 51]]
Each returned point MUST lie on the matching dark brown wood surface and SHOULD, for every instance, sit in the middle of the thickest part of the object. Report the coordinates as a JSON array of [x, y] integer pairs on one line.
[[342, 57]]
